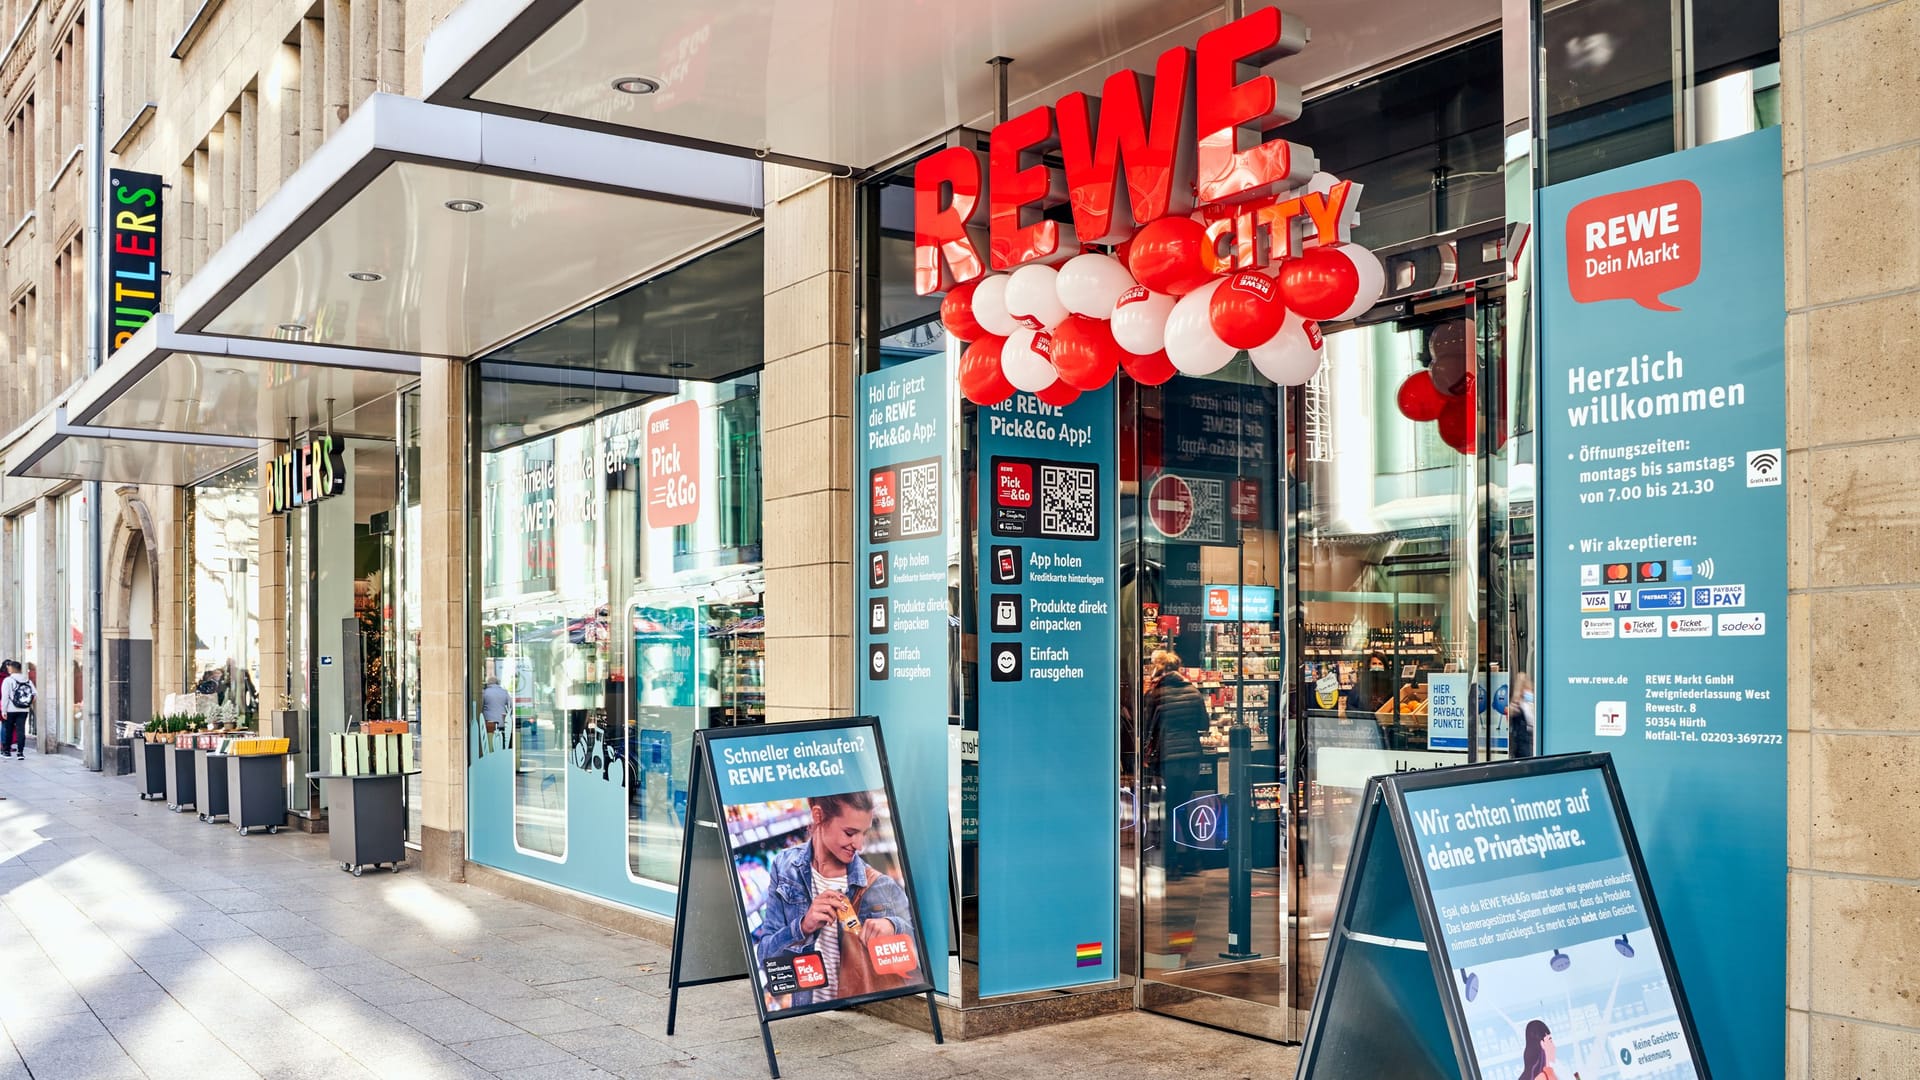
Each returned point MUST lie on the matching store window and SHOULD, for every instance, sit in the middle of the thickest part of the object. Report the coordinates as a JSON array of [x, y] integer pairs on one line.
[[620, 579], [404, 599], [223, 600], [70, 655]]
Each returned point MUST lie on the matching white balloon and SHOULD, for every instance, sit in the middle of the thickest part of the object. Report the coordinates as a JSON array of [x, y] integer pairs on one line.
[[1091, 284], [1192, 345], [1027, 360], [1032, 298], [1140, 320], [990, 306], [1293, 355], [1373, 279]]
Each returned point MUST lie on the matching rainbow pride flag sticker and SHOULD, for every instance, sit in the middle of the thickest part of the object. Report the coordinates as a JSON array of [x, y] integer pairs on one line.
[[1087, 955]]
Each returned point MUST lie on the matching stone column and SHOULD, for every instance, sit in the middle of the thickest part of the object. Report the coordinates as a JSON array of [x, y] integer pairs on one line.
[[806, 453], [50, 639], [444, 676], [1853, 470]]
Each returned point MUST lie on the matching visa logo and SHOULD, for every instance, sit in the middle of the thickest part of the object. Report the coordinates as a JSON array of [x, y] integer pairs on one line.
[[1653, 599], [1719, 596], [1593, 601]]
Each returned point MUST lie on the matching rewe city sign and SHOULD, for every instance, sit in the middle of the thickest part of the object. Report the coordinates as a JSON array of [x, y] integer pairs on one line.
[[1189, 138]]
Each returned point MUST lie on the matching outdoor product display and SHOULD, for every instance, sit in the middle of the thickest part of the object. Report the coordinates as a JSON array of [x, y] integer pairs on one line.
[[210, 783], [367, 820], [150, 768], [257, 790], [180, 788], [360, 754]]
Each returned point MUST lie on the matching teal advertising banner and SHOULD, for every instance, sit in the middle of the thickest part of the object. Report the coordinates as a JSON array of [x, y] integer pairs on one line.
[[904, 553], [1048, 694], [1663, 528]]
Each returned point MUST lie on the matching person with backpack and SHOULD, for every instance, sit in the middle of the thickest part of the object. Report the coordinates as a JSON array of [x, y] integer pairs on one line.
[[16, 698]]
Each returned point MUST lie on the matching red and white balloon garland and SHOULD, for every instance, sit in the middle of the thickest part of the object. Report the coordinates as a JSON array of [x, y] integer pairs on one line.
[[1057, 332]]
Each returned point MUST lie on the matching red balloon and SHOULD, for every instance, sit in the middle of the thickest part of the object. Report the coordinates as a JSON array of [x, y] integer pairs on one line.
[[1151, 370], [1084, 352], [1060, 393], [1320, 283], [1420, 400], [956, 313], [1167, 256], [1457, 425], [981, 380], [1246, 310]]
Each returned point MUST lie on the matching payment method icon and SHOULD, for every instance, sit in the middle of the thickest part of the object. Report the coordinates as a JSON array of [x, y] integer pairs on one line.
[[1618, 573], [1592, 601], [1662, 599], [1623, 599], [1681, 569], [1651, 571], [1589, 575], [1719, 596]]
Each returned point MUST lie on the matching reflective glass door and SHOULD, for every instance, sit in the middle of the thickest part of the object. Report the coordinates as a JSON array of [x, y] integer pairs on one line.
[[1212, 717]]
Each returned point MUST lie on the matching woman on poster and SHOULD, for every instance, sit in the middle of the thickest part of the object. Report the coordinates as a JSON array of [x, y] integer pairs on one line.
[[825, 899]]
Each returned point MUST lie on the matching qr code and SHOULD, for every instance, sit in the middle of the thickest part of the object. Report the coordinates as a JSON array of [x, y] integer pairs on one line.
[[1068, 503], [1209, 522], [920, 500]]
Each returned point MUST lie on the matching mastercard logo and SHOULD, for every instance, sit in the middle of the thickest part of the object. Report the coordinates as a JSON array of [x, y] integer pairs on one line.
[[1619, 572]]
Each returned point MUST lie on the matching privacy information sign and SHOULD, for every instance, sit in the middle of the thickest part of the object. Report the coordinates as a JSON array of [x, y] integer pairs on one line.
[[1049, 708], [1499, 923], [1663, 545], [905, 675]]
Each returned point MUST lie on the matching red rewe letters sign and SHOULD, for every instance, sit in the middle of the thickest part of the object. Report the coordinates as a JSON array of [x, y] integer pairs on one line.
[[1635, 245], [1186, 139], [946, 196]]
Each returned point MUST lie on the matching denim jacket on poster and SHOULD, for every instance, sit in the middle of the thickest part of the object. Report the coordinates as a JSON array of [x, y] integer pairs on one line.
[[791, 894]]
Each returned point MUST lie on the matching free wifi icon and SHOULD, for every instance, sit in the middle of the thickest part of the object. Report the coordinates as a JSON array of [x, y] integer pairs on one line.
[[1763, 468]]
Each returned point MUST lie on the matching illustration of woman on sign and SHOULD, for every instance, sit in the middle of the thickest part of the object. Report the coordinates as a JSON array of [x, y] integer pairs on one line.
[[1537, 1060]]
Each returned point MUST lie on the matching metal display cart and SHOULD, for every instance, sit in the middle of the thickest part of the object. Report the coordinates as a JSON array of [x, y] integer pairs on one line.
[[366, 819], [181, 795], [210, 784], [256, 791], [150, 768]]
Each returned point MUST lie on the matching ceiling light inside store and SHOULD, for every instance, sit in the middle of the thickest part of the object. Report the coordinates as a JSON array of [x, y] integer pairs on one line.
[[365, 275], [680, 365], [1560, 961], [229, 372], [1623, 946], [293, 327], [636, 84], [1471, 983], [466, 206]]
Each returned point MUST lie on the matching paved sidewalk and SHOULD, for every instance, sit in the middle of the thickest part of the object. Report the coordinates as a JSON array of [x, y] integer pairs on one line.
[[135, 942]]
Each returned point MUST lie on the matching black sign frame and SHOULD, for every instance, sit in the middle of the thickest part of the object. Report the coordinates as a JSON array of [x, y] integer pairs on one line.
[[704, 830], [1403, 999], [136, 214]]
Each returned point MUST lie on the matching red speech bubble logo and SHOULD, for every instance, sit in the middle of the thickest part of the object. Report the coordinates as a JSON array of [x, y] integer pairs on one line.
[[1635, 245]]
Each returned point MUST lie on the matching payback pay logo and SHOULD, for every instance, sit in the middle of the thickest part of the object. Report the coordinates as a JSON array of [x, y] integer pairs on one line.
[[1635, 245]]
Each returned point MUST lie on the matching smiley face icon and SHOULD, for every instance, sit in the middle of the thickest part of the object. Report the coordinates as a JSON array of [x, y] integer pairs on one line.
[[1004, 661]]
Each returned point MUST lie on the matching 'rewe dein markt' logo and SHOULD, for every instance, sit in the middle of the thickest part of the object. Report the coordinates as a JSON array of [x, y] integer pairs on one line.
[[1635, 245]]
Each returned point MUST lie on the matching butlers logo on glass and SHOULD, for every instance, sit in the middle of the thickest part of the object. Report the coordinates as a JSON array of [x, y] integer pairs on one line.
[[1187, 139], [133, 254], [305, 474]]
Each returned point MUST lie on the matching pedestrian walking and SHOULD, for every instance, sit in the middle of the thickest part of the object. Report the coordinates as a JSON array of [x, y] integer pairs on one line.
[[17, 696]]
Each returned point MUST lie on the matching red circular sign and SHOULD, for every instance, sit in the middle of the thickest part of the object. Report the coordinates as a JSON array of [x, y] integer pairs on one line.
[[1170, 505]]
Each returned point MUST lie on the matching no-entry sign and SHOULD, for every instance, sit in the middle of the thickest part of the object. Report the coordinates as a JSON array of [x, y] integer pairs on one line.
[[1170, 505]]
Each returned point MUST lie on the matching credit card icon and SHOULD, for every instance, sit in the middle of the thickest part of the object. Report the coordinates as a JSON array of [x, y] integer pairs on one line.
[[1651, 571], [1618, 573]]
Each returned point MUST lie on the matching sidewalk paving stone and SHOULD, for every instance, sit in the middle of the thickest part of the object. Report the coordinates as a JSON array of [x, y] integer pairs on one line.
[[140, 943]]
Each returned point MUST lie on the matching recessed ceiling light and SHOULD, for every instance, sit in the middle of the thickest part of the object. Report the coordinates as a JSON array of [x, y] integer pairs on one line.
[[466, 206], [294, 327], [365, 275], [230, 372], [680, 365], [636, 84]]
